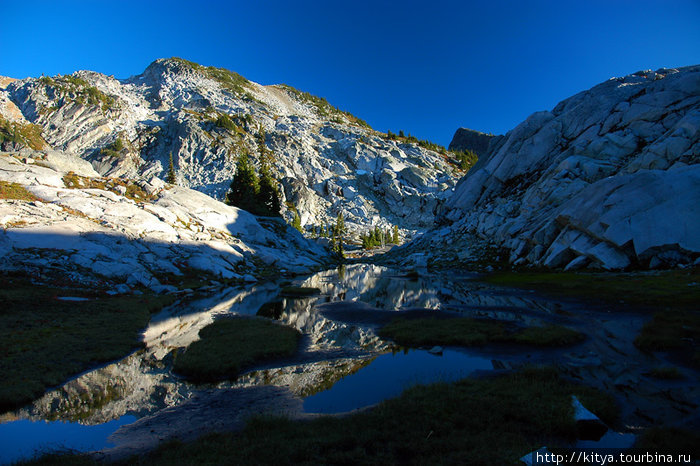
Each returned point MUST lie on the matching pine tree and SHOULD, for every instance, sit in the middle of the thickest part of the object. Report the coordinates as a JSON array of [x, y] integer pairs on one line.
[[395, 239], [268, 196], [245, 186], [337, 236], [172, 179]]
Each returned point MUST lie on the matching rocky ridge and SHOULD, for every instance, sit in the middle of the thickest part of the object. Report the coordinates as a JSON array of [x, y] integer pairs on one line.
[[102, 231], [608, 179], [326, 160], [475, 141]]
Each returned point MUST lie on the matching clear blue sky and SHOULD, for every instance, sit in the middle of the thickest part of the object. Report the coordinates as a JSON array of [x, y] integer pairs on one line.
[[424, 67]]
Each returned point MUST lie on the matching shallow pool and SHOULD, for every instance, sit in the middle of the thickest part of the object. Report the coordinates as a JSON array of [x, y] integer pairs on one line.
[[389, 374], [22, 439]]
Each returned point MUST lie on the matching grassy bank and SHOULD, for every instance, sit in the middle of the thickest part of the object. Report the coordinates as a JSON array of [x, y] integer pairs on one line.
[[230, 345], [673, 330], [489, 421], [474, 332], [672, 289], [473, 421], [673, 295], [46, 340]]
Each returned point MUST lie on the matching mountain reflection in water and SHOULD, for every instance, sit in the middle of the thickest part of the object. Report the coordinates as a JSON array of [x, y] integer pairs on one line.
[[340, 367]]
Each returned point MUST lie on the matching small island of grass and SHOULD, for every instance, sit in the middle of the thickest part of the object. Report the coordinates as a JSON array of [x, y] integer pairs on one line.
[[228, 346]]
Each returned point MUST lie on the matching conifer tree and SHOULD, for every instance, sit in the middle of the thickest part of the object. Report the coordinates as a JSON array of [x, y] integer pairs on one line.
[[337, 236], [172, 179], [395, 238], [268, 196], [245, 186]]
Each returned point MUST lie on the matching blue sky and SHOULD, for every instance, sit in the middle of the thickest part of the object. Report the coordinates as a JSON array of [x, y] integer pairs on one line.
[[424, 67]]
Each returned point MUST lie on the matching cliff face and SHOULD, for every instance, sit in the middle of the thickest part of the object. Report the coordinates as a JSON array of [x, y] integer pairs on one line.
[[609, 178], [327, 160], [475, 141]]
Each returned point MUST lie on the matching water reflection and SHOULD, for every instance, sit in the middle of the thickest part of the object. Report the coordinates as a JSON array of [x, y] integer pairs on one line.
[[389, 374], [19, 439], [142, 383], [336, 369]]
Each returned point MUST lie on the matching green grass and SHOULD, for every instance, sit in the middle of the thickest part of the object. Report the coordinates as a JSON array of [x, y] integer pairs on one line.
[[669, 330], [670, 439], [474, 332], [673, 289], [26, 134], [15, 191], [323, 107], [228, 346], [133, 191], [45, 341], [69, 89], [549, 335], [674, 294], [229, 80], [485, 421], [672, 331]]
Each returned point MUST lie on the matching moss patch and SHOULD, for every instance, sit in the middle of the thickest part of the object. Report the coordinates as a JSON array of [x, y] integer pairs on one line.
[[133, 191], [487, 421], [228, 346], [474, 332], [15, 191], [677, 289], [46, 340], [27, 134]]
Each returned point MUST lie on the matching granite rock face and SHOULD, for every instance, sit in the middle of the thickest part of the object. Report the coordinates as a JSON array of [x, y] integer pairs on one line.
[[469, 139], [608, 179], [327, 161], [128, 234]]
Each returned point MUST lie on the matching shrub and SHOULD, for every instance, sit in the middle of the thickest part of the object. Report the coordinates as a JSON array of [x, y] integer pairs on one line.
[[465, 159], [225, 121]]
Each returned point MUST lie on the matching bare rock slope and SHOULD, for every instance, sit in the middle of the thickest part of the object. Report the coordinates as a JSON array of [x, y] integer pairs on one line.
[[327, 161], [63, 218], [608, 179]]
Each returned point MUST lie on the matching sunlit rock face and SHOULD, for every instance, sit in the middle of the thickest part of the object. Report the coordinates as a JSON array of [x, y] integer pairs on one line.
[[133, 233], [326, 160], [609, 179]]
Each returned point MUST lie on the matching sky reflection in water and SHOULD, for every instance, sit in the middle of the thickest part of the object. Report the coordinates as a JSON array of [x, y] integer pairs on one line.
[[20, 439], [389, 374]]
